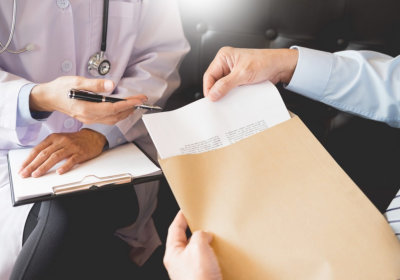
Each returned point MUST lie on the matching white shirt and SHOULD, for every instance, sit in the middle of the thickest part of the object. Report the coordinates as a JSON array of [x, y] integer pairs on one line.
[[145, 44]]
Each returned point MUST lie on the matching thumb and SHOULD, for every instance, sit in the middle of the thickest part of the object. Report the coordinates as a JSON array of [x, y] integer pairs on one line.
[[223, 86], [201, 237]]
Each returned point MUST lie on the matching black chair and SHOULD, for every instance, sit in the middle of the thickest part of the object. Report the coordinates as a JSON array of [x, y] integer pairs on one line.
[[366, 150]]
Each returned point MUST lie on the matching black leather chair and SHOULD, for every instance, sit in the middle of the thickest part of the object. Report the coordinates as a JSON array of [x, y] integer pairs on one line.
[[368, 151]]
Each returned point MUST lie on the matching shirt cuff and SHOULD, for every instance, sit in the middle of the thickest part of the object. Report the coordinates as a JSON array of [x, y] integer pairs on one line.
[[312, 72], [112, 133], [24, 115]]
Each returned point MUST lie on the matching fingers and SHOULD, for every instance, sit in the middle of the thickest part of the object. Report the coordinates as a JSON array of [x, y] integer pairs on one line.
[[213, 73], [106, 112], [218, 68], [69, 164], [51, 161], [129, 103], [94, 85], [53, 96], [117, 117], [201, 238], [27, 168], [177, 233], [44, 161], [176, 239], [223, 86], [221, 76], [76, 147], [141, 97], [105, 109]]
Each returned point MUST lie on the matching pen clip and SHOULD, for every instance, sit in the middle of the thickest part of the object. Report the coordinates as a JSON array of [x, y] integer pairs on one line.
[[149, 107]]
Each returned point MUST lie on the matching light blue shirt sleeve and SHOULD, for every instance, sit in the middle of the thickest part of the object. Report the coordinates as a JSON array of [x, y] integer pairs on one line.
[[24, 115], [112, 133], [363, 83]]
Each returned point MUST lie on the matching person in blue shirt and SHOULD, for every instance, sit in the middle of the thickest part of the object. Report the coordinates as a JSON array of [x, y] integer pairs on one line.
[[364, 83]]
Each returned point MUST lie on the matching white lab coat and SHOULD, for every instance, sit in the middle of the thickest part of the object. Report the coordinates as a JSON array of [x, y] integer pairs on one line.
[[145, 45]]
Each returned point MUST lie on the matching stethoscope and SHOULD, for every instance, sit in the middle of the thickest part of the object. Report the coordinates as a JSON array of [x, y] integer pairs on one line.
[[98, 64], [4, 48]]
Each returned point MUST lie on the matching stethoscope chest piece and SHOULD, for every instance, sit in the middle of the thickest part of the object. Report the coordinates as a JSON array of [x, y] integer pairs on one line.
[[98, 65]]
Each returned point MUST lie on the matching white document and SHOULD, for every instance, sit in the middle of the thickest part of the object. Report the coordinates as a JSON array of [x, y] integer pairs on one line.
[[118, 165], [205, 125]]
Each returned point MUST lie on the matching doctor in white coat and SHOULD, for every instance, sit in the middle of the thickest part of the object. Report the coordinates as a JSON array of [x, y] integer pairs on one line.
[[145, 44]]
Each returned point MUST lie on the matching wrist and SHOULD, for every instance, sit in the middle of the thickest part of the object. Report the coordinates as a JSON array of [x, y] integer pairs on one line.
[[289, 58], [38, 100], [96, 138]]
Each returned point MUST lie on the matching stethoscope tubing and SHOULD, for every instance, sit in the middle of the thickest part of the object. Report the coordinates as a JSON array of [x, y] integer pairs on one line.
[[14, 15], [103, 46]]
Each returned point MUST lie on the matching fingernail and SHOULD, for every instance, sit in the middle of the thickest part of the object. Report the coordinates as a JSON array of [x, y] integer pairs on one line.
[[214, 95], [24, 173], [36, 174], [108, 85], [59, 171]]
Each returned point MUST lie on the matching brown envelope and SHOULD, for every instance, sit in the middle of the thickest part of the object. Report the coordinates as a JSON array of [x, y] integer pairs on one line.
[[281, 208]]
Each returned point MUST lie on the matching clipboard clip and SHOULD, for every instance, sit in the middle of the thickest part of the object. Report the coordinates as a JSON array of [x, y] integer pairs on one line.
[[91, 182]]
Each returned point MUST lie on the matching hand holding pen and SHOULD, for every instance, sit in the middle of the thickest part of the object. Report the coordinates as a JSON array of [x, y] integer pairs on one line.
[[51, 97], [93, 97]]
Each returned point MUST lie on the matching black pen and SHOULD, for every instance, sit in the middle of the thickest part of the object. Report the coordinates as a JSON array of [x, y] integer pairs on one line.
[[94, 97]]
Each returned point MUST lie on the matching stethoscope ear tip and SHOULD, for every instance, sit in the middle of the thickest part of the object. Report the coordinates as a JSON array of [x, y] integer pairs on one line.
[[30, 47]]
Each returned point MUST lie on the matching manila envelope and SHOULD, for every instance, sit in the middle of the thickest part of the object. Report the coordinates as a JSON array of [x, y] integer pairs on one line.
[[280, 207]]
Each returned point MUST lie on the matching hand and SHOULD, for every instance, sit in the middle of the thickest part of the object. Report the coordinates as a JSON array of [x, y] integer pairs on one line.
[[194, 259], [75, 147], [53, 96], [233, 67]]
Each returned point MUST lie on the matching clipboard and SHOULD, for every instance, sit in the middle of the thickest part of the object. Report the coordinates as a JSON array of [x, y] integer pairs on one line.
[[115, 167]]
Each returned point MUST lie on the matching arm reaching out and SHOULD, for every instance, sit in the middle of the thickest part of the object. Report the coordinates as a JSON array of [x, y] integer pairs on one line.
[[233, 67]]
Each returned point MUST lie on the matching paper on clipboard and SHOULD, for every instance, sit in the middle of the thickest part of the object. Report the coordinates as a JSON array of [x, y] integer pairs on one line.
[[115, 166]]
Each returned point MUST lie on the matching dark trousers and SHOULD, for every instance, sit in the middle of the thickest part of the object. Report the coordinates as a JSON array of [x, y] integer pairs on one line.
[[73, 237]]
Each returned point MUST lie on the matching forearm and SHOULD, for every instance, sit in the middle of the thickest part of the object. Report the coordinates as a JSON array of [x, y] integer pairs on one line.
[[360, 82]]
